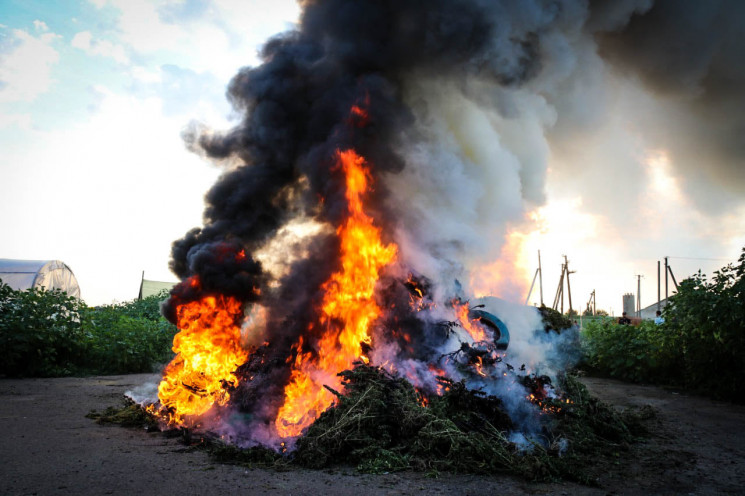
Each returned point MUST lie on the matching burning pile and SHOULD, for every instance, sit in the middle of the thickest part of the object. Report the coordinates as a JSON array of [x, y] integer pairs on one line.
[[337, 236]]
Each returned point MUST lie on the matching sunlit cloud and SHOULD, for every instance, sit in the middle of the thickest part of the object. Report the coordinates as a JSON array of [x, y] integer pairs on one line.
[[221, 40], [84, 41], [22, 80]]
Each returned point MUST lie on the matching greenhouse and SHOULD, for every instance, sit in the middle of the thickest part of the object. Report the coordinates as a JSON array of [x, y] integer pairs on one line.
[[48, 274]]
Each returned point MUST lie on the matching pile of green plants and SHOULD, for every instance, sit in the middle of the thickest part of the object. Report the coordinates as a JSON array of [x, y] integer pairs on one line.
[[48, 333], [129, 415], [381, 423], [553, 320], [700, 346]]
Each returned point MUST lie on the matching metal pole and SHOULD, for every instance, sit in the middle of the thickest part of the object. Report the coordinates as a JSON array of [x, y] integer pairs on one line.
[[559, 290], [540, 276], [666, 266], [658, 285], [638, 295], [569, 286], [527, 298], [670, 269]]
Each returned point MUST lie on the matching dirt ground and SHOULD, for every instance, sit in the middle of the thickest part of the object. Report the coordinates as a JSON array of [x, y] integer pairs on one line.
[[49, 447]]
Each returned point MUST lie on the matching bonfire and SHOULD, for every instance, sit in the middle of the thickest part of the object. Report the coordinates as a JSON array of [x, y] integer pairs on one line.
[[333, 303]]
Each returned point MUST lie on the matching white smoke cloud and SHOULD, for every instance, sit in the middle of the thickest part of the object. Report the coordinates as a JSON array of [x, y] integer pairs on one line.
[[474, 170]]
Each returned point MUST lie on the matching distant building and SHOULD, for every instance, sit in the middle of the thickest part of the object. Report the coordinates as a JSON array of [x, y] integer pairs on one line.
[[650, 312], [629, 304], [149, 288]]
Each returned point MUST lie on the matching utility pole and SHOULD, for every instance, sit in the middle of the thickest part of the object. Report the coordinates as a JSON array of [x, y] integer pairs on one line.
[[670, 269], [569, 287], [540, 276], [591, 303], [639, 295], [559, 298], [658, 285], [594, 304], [666, 266], [560, 292]]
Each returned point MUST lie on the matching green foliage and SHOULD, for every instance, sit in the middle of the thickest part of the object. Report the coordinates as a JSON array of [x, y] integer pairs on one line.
[[118, 343], [700, 346], [40, 332], [624, 351], [48, 333], [706, 323], [381, 424], [553, 319]]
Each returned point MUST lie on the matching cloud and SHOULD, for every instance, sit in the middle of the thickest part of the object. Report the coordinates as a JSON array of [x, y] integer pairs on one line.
[[184, 92], [218, 37], [22, 121], [84, 41], [109, 209], [26, 64], [41, 26]]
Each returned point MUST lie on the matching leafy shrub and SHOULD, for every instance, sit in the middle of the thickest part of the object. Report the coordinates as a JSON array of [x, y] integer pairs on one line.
[[40, 332], [626, 352], [118, 342], [700, 346], [706, 323], [48, 333]]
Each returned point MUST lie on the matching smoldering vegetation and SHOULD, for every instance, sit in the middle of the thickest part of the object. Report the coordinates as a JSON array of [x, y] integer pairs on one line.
[[460, 107]]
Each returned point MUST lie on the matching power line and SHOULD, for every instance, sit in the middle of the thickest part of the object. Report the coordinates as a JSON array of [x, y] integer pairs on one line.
[[701, 258]]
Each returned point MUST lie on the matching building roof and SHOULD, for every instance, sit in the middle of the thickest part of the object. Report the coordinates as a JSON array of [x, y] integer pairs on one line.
[[650, 312], [149, 288]]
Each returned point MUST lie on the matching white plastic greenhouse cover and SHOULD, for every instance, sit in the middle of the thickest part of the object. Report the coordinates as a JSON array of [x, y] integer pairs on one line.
[[50, 274]]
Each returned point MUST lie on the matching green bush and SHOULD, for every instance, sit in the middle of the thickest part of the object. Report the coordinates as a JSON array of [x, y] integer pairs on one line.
[[40, 332], [633, 353], [48, 333], [701, 345], [706, 323], [119, 343]]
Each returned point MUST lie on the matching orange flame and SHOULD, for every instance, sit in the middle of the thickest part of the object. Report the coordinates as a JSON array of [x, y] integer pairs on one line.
[[479, 365], [348, 308], [208, 349], [475, 330]]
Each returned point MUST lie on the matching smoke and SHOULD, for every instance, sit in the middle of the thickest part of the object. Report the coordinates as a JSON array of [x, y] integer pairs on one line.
[[662, 75], [689, 54], [420, 70], [463, 106]]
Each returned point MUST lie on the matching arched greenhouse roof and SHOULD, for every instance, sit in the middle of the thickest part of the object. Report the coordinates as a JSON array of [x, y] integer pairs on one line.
[[27, 274]]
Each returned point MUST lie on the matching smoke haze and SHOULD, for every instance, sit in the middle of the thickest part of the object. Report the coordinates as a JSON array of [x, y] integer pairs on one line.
[[466, 110]]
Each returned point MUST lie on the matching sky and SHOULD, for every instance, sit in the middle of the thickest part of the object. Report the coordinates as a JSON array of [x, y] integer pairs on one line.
[[95, 96]]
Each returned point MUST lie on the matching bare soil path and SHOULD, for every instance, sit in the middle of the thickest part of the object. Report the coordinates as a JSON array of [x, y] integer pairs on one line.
[[49, 447]]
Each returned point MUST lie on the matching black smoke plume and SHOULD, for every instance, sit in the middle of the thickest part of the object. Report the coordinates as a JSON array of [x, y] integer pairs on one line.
[[432, 76]]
